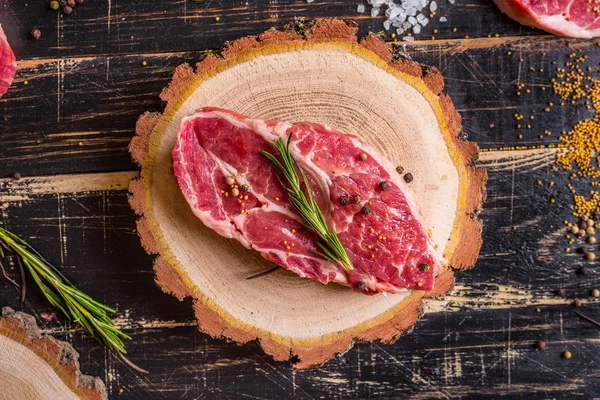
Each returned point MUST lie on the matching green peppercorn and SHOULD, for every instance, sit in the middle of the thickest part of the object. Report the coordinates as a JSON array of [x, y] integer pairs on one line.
[[54, 5]]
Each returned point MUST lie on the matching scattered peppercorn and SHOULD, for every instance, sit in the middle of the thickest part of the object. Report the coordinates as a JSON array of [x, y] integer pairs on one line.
[[144, 63], [591, 240], [567, 354], [235, 192], [361, 286], [583, 250], [590, 256], [583, 270], [356, 199], [343, 199], [384, 185], [582, 224], [366, 210], [67, 9], [400, 169], [540, 345], [71, 3], [54, 5], [36, 34], [408, 178], [538, 309], [362, 157], [17, 176], [577, 303], [424, 267], [230, 180], [595, 293], [245, 188], [560, 292]]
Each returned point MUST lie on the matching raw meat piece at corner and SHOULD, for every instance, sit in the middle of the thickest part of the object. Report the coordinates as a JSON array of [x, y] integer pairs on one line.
[[8, 64], [571, 18]]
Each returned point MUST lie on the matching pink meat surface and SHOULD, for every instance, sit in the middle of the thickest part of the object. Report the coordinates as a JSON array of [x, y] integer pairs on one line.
[[8, 64], [572, 18], [389, 247]]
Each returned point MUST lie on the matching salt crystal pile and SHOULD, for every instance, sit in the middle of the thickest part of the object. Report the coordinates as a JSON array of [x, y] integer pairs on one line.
[[404, 15]]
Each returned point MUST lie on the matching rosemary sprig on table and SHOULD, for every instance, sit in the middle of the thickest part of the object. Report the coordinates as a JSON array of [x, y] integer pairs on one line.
[[329, 244], [76, 305]]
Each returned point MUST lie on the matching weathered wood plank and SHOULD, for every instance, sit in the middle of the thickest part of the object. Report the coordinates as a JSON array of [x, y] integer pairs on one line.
[[111, 27], [476, 343], [84, 223], [86, 108]]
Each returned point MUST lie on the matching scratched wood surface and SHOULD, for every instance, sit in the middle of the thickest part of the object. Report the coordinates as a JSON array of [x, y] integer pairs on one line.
[[67, 130]]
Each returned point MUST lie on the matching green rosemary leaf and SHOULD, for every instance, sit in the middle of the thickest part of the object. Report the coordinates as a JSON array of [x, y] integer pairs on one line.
[[304, 203], [73, 303]]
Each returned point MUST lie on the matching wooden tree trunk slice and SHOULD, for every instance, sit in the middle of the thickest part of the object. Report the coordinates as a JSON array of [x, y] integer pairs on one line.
[[325, 77], [33, 367]]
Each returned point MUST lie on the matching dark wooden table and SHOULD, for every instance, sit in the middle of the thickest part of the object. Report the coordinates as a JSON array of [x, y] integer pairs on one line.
[[67, 130]]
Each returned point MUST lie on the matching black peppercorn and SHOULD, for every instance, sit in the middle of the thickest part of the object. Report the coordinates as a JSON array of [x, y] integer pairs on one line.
[[408, 178], [245, 188], [343, 199], [540, 345], [424, 267], [582, 224], [400, 169], [356, 199], [582, 250], [384, 185], [366, 210], [36, 34], [582, 271], [361, 286], [17, 176]]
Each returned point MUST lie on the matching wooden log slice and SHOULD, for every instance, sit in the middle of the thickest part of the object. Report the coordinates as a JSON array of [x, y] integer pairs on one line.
[[36, 367], [325, 76]]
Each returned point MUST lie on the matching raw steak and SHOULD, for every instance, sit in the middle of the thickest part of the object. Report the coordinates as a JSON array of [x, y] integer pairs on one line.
[[573, 18], [389, 247], [8, 64]]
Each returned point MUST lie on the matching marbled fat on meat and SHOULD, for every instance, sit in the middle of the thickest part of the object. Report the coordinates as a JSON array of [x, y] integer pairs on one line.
[[390, 248], [8, 63], [572, 18]]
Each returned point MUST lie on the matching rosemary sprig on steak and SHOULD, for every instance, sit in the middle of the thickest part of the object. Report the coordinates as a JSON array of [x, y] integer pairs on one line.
[[75, 304], [329, 244]]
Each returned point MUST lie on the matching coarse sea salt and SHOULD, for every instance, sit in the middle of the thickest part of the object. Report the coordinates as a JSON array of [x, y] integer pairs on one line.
[[405, 15]]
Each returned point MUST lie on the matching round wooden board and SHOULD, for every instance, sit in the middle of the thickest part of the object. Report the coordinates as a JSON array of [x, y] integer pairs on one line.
[[325, 76], [33, 367]]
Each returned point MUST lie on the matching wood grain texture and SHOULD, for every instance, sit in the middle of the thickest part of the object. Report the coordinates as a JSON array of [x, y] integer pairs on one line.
[[36, 367], [90, 105], [265, 77], [150, 26], [93, 233], [478, 345]]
